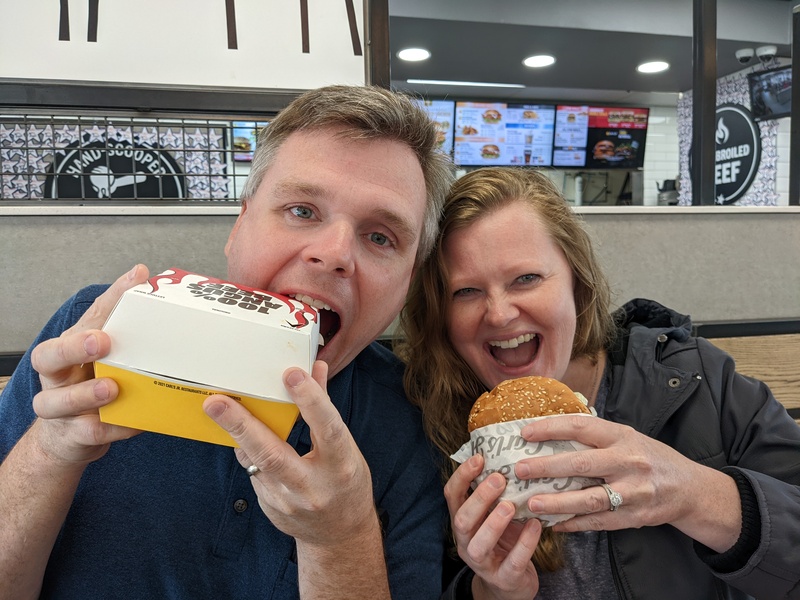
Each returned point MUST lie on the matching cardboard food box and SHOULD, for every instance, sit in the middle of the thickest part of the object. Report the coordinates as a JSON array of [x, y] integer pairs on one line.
[[180, 337]]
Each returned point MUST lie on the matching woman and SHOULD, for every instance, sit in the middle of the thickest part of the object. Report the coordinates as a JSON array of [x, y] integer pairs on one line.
[[700, 463]]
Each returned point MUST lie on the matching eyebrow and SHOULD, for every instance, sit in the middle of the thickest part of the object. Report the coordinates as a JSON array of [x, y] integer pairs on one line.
[[401, 225]]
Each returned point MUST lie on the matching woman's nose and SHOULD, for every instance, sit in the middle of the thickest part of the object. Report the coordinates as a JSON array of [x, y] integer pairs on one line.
[[333, 249], [500, 311]]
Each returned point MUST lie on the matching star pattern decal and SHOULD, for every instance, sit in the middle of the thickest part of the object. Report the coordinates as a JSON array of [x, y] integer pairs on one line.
[[94, 134], [30, 146]]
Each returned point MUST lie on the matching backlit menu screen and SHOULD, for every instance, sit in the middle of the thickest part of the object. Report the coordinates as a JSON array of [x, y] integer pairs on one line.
[[496, 133], [599, 137]]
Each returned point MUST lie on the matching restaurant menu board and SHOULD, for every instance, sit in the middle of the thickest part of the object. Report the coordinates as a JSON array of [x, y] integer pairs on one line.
[[442, 113], [496, 133], [599, 137]]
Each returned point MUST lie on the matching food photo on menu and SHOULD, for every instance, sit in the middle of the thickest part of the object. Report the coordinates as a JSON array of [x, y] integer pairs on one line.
[[616, 138], [442, 113]]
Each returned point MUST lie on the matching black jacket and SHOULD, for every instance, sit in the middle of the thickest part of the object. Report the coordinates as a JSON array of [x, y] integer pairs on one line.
[[684, 391]]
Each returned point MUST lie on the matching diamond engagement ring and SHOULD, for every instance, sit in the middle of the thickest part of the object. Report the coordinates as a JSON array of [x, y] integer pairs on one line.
[[252, 470], [615, 498]]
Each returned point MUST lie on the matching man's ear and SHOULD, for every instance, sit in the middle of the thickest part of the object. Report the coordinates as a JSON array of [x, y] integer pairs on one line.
[[235, 229]]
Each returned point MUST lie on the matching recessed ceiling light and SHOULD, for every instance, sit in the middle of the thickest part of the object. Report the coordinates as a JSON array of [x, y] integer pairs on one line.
[[413, 54], [653, 67], [540, 60], [468, 83]]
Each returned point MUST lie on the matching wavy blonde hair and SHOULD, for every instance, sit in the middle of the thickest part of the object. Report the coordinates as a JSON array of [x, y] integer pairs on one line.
[[437, 379]]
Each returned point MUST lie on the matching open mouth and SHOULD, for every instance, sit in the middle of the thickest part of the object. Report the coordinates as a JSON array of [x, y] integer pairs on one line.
[[515, 352], [329, 322]]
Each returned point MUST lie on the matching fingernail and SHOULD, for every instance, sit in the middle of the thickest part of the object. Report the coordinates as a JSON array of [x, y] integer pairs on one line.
[[522, 470], [90, 345], [474, 461], [101, 390], [497, 482], [215, 409], [132, 272], [295, 378], [504, 509], [536, 506]]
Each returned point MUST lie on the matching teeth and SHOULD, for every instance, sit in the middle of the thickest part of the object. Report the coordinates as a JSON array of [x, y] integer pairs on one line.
[[318, 304], [514, 342], [321, 341]]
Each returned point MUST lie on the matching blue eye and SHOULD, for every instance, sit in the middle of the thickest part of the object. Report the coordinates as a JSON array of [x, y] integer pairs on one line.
[[528, 278], [464, 292], [379, 238], [302, 211]]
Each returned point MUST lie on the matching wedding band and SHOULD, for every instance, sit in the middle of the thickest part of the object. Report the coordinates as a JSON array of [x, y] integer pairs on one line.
[[252, 470], [615, 498]]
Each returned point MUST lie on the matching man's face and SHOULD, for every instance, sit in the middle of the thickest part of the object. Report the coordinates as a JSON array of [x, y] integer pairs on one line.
[[336, 223]]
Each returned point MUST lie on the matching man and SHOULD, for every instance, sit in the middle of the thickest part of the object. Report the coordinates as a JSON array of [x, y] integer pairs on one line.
[[342, 203]]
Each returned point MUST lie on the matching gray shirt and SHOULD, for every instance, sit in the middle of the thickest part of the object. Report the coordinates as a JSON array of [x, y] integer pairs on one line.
[[587, 568]]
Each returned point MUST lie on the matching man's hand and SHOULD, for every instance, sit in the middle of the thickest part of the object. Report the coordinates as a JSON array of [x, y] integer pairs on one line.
[[323, 499], [69, 429], [39, 476]]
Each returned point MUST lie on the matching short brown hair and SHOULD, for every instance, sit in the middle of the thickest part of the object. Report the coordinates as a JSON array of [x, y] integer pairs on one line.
[[363, 112]]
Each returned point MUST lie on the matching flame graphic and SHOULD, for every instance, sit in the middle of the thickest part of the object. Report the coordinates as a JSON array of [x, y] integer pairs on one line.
[[303, 314], [723, 133], [299, 314], [171, 277]]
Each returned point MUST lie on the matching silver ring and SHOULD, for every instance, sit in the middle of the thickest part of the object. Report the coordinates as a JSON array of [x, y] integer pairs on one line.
[[615, 498], [252, 470]]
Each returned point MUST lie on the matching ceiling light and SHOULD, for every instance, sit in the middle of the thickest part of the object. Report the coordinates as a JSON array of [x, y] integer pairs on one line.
[[469, 83], [653, 67], [540, 60], [413, 54]]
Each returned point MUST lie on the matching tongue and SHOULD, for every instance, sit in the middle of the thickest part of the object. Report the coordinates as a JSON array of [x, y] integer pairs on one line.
[[515, 357], [328, 324]]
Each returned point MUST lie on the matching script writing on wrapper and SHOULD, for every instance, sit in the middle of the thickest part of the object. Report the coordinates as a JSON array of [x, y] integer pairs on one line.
[[180, 337], [495, 423]]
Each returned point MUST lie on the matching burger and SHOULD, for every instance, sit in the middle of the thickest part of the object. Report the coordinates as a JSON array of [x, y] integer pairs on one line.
[[492, 116], [603, 150], [525, 398], [495, 424], [490, 151]]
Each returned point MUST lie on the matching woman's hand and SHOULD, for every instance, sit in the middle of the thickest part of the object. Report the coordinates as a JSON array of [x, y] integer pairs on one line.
[[658, 485], [496, 548]]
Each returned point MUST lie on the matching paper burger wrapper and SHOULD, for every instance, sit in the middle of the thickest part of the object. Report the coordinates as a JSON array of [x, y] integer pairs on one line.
[[502, 446]]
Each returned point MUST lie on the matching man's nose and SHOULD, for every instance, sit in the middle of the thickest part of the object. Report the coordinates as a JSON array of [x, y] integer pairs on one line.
[[334, 248]]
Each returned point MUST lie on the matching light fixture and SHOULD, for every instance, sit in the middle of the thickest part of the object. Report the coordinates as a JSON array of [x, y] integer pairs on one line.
[[540, 60], [413, 54], [655, 66], [467, 83]]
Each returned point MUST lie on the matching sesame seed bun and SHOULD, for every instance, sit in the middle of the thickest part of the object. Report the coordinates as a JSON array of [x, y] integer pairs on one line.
[[524, 398]]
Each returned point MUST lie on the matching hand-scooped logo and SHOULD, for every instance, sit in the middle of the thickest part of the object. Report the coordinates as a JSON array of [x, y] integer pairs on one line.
[[110, 168], [738, 152]]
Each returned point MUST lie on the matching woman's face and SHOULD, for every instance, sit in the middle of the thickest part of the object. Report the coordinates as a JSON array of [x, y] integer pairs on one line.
[[511, 309]]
